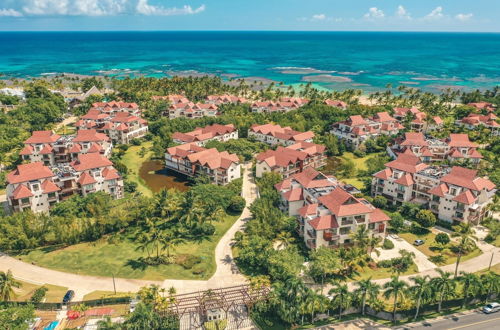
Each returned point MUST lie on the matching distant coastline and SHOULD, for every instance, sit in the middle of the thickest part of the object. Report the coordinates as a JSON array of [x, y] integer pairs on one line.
[[331, 60]]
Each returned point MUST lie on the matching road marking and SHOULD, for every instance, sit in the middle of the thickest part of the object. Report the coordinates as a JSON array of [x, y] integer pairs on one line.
[[469, 325]]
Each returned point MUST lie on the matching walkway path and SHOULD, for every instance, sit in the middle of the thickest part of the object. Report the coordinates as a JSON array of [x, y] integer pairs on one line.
[[225, 275]]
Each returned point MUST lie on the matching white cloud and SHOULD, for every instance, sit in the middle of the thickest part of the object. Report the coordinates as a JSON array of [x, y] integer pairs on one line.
[[436, 13], [374, 12], [319, 17], [144, 8], [46, 7], [401, 12], [10, 12], [463, 17]]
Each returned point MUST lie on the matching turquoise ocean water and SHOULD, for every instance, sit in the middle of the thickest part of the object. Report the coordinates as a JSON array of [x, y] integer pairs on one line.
[[338, 60]]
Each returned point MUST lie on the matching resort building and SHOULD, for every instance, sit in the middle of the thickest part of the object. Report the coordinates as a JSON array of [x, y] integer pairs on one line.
[[457, 147], [475, 121], [275, 134], [327, 210], [50, 148], [190, 159], [336, 104], [418, 119], [285, 104], [489, 107], [114, 107], [291, 160], [172, 98], [452, 194], [208, 133], [356, 129], [38, 187], [192, 110], [225, 99], [120, 126]]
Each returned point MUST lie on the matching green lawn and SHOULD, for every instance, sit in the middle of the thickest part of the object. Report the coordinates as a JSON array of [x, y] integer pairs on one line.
[[94, 295], [359, 162], [133, 161], [380, 273], [53, 295], [104, 259], [427, 249]]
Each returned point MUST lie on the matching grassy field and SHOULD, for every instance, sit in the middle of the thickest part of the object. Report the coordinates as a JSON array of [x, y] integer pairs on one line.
[[360, 164], [133, 161], [380, 273], [104, 259], [54, 294], [427, 249], [94, 295]]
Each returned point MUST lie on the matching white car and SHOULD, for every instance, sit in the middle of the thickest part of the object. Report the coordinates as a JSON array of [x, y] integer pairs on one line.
[[491, 308]]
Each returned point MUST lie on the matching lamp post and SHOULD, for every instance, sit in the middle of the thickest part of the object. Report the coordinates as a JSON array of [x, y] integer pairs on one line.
[[491, 260], [114, 285]]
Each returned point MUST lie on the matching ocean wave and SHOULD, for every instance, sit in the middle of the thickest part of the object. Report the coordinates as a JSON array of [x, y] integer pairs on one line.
[[299, 70]]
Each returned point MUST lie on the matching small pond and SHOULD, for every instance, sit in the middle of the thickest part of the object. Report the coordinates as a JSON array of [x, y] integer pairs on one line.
[[157, 177]]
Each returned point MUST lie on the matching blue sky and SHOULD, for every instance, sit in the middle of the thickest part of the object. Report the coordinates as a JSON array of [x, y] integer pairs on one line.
[[328, 15]]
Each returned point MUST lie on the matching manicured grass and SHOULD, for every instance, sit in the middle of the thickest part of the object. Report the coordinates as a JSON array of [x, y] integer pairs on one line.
[[53, 295], [94, 295], [104, 259], [494, 268], [133, 161], [359, 162], [427, 249], [66, 130], [355, 182], [380, 273]]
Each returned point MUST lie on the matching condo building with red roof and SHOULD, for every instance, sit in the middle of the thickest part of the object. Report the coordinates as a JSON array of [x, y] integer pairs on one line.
[[475, 121], [192, 110], [225, 99], [452, 194], [119, 120], [356, 129], [191, 160], [327, 210], [285, 104], [336, 104], [489, 107], [292, 159], [418, 119], [275, 134], [50, 148], [38, 187], [457, 147], [200, 136]]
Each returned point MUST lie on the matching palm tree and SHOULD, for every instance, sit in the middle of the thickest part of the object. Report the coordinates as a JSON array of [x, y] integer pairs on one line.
[[7, 285], [368, 290], [421, 289], [490, 283], [107, 324], [340, 296], [470, 285], [467, 241], [169, 240], [444, 286], [396, 289], [285, 239], [361, 236]]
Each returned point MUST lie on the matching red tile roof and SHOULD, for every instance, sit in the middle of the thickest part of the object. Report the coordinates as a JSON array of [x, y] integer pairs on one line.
[[308, 209], [383, 117], [284, 133], [324, 222], [439, 190], [384, 174], [110, 174], [21, 192], [414, 139], [465, 197], [86, 178], [357, 120], [48, 186], [378, 216], [341, 203], [464, 177], [405, 180], [47, 149], [460, 140], [90, 161], [29, 172], [309, 148], [335, 103], [42, 137], [89, 135], [294, 195], [27, 150], [281, 157], [407, 163]]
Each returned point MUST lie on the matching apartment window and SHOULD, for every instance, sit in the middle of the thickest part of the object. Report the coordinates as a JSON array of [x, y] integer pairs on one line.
[[345, 230], [453, 191], [371, 226], [35, 187], [52, 195], [435, 198], [25, 200], [400, 188]]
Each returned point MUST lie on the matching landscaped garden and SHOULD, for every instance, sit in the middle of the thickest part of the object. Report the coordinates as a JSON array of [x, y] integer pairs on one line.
[[193, 259], [27, 290]]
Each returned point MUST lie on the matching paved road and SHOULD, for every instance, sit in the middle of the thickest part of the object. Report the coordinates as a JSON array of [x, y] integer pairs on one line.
[[225, 275], [473, 321]]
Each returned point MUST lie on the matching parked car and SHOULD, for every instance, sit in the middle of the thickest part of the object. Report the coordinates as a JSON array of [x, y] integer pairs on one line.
[[133, 304], [491, 308], [418, 242], [68, 296]]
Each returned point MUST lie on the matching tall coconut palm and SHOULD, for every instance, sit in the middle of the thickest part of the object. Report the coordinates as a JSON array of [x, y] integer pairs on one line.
[[368, 291], [341, 297], [361, 237], [395, 288], [465, 232], [7, 285], [444, 286], [470, 285], [421, 290], [490, 283]]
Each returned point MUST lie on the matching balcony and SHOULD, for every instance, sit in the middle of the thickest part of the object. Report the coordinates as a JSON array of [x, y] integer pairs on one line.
[[310, 244], [347, 222], [329, 236], [311, 233]]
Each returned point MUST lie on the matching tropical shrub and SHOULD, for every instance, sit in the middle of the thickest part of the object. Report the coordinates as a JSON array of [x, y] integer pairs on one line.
[[388, 244]]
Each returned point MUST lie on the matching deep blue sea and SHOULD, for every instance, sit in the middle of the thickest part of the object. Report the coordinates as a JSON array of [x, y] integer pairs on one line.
[[334, 60]]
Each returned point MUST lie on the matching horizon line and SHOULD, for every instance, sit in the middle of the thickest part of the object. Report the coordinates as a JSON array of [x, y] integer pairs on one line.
[[284, 31]]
